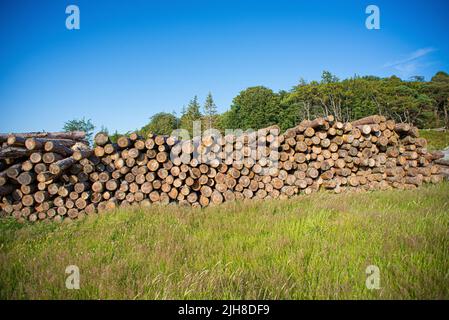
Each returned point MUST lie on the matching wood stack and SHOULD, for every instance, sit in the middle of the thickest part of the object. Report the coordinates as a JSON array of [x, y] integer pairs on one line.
[[60, 181], [34, 167], [367, 154]]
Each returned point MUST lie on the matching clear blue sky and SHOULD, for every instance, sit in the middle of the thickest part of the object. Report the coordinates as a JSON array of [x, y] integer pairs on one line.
[[131, 59]]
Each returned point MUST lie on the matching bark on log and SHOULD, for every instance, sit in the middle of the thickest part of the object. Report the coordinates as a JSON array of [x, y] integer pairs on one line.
[[73, 135], [58, 167], [14, 153], [323, 153], [367, 120]]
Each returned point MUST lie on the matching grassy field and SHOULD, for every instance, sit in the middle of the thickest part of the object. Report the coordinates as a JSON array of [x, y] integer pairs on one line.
[[308, 247], [437, 140]]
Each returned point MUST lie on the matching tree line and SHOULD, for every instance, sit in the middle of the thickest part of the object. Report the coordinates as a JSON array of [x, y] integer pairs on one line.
[[422, 103]]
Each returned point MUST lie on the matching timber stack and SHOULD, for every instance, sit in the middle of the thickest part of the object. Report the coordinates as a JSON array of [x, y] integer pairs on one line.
[[34, 168], [55, 176]]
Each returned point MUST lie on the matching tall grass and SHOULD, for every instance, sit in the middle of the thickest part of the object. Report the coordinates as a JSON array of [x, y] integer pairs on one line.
[[308, 247], [436, 140]]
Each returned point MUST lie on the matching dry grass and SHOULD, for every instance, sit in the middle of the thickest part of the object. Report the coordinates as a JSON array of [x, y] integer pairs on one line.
[[308, 247]]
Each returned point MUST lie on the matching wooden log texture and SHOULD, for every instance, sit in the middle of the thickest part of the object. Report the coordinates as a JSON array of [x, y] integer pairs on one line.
[[56, 176], [73, 135]]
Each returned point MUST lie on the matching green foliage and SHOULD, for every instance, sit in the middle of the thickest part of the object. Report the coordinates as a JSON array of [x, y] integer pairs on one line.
[[161, 123], [308, 247], [191, 114], [327, 78], [438, 90], [222, 121], [210, 111], [436, 139], [80, 125], [255, 108], [424, 104], [440, 76]]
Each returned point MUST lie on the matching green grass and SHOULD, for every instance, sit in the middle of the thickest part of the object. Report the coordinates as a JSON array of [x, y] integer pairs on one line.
[[307, 247], [436, 140]]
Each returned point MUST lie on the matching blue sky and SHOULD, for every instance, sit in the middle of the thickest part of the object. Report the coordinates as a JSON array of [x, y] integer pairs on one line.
[[131, 59]]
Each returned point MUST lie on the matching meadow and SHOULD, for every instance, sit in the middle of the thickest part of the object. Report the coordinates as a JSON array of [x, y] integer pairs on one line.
[[308, 247], [437, 140]]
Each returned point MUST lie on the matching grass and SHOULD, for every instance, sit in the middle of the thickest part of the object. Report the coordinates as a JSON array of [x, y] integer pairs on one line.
[[308, 247], [436, 140]]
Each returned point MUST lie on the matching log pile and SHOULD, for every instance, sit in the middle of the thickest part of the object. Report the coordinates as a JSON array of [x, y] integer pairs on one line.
[[443, 162], [367, 154], [34, 167], [53, 176]]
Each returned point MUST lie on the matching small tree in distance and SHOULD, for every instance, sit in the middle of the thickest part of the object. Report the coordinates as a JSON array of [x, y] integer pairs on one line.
[[191, 114], [80, 125], [160, 123], [210, 110]]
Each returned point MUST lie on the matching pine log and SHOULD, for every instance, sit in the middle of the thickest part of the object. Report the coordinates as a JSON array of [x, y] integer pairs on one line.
[[101, 139], [58, 147], [6, 189], [58, 167], [14, 153], [74, 135], [367, 120]]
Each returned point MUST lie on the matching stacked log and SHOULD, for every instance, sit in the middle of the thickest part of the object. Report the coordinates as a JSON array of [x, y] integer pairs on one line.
[[33, 166], [443, 162], [370, 153], [51, 177]]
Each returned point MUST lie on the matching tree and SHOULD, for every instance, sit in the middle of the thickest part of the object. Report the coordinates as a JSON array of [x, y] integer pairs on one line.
[[302, 82], [175, 114], [440, 76], [80, 125], [210, 110], [327, 77], [423, 103], [191, 114], [254, 108], [417, 78], [405, 103], [162, 123], [438, 89]]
